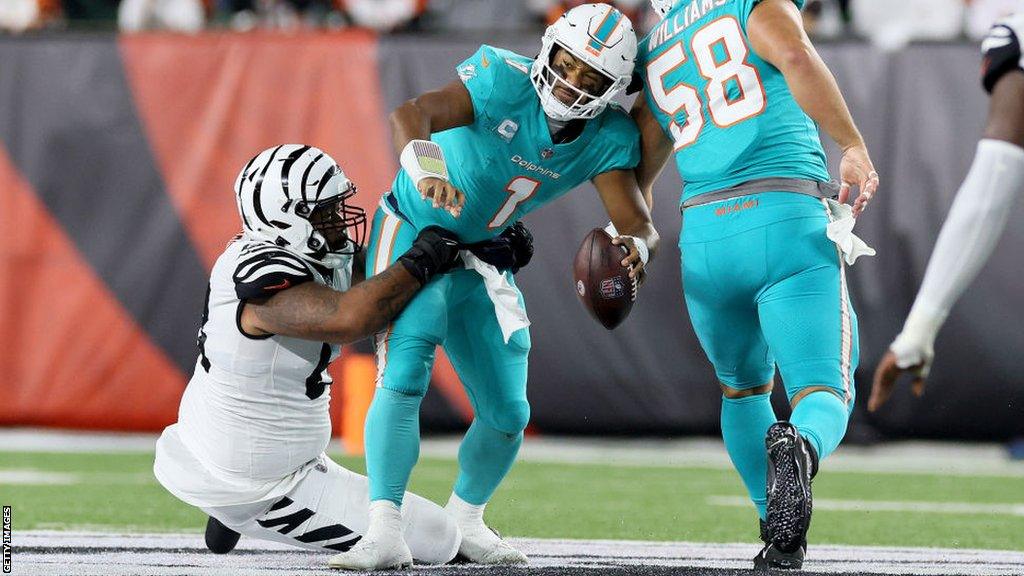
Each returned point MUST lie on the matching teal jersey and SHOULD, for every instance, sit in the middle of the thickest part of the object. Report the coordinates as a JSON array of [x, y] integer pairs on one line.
[[729, 114], [505, 162]]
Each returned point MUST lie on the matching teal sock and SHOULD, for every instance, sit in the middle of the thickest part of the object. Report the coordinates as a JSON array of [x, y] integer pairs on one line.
[[392, 443], [485, 457], [745, 422], [821, 418]]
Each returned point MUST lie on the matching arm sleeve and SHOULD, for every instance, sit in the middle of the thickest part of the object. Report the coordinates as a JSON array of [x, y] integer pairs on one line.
[[972, 228], [481, 73], [263, 273], [1001, 50]]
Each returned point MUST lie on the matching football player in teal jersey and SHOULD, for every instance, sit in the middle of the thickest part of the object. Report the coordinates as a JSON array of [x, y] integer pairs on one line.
[[736, 91], [510, 135]]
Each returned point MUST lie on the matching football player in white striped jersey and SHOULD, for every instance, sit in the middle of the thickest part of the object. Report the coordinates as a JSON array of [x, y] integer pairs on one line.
[[977, 218], [248, 447]]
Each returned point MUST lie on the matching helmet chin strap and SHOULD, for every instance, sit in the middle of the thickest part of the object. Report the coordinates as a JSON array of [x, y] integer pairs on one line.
[[323, 257]]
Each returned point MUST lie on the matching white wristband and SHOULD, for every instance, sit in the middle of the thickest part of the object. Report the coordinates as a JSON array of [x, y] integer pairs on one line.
[[423, 159], [641, 246], [915, 345]]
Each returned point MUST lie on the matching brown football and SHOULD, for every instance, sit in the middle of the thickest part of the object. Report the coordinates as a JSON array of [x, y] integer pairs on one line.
[[602, 282]]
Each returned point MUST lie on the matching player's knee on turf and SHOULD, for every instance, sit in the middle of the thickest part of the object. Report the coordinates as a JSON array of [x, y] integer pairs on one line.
[[507, 417]]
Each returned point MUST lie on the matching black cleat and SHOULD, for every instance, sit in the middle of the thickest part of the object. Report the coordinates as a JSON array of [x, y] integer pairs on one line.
[[792, 463], [219, 538], [771, 558]]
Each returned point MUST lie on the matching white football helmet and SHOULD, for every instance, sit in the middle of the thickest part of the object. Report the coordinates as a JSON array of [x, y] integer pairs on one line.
[[662, 7], [295, 197], [600, 36]]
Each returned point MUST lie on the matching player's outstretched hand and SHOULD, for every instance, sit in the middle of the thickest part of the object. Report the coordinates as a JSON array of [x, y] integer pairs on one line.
[[435, 251], [637, 269], [886, 375], [442, 194], [856, 169]]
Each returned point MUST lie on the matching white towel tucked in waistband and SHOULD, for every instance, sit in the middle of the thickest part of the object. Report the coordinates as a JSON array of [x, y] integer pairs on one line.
[[840, 231], [511, 316]]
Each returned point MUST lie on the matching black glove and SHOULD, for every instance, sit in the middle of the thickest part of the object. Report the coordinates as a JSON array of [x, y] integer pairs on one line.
[[510, 250], [435, 251]]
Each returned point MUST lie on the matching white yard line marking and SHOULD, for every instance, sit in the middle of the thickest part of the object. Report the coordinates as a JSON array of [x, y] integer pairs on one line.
[[36, 477], [29, 477], [105, 554], [1011, 509]]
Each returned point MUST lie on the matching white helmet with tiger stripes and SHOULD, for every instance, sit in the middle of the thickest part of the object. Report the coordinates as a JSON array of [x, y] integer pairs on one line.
[[295, 196], [600, 36]]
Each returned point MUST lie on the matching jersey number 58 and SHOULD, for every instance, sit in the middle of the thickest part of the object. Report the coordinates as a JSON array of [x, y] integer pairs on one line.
[[683, 98]]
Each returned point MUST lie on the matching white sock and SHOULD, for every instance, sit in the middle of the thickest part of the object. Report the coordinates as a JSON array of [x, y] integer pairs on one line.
[[464, 512], [385, 518]]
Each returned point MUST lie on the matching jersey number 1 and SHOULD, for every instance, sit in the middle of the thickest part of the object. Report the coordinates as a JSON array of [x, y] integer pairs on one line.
[[520, 189], [724, 32]]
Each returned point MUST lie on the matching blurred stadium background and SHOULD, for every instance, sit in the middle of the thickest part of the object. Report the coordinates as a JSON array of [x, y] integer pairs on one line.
[[122, 127]]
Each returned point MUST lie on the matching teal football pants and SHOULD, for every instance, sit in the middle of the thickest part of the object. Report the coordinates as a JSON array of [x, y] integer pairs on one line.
[[765, 287], [453, 311]]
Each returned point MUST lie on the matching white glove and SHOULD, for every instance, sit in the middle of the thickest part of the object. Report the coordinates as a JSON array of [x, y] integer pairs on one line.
[[915, 345]]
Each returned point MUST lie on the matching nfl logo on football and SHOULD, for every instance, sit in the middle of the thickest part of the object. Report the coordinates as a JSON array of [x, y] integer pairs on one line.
[[612, 288]]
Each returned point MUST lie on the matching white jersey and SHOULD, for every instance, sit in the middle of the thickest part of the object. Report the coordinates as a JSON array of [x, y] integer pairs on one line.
[[255, 415]]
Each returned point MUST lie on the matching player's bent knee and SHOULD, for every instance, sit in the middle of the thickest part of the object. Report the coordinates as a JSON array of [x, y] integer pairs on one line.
[[804, 392], [410, 379], [509, 417], [737, 393]]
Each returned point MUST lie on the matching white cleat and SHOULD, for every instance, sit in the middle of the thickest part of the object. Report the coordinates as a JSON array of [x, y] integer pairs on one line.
[[382, 548], [368, 555], [480, 544]]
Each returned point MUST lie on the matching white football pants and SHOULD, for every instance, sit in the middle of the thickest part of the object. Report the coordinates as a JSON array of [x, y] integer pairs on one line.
[[329, 511]]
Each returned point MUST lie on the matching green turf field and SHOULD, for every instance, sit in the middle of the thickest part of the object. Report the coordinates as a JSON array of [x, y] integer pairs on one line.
[[117, 492]]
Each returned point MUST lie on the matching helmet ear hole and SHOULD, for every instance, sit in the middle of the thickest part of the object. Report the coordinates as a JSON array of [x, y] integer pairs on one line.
[[314, 243], [302, 209]]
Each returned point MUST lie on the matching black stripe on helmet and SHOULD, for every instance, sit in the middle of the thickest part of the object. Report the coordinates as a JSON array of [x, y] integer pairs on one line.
[[245, 175], [325, 179], [305, 175], [259, 188], [245, 171], [287, 167]]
